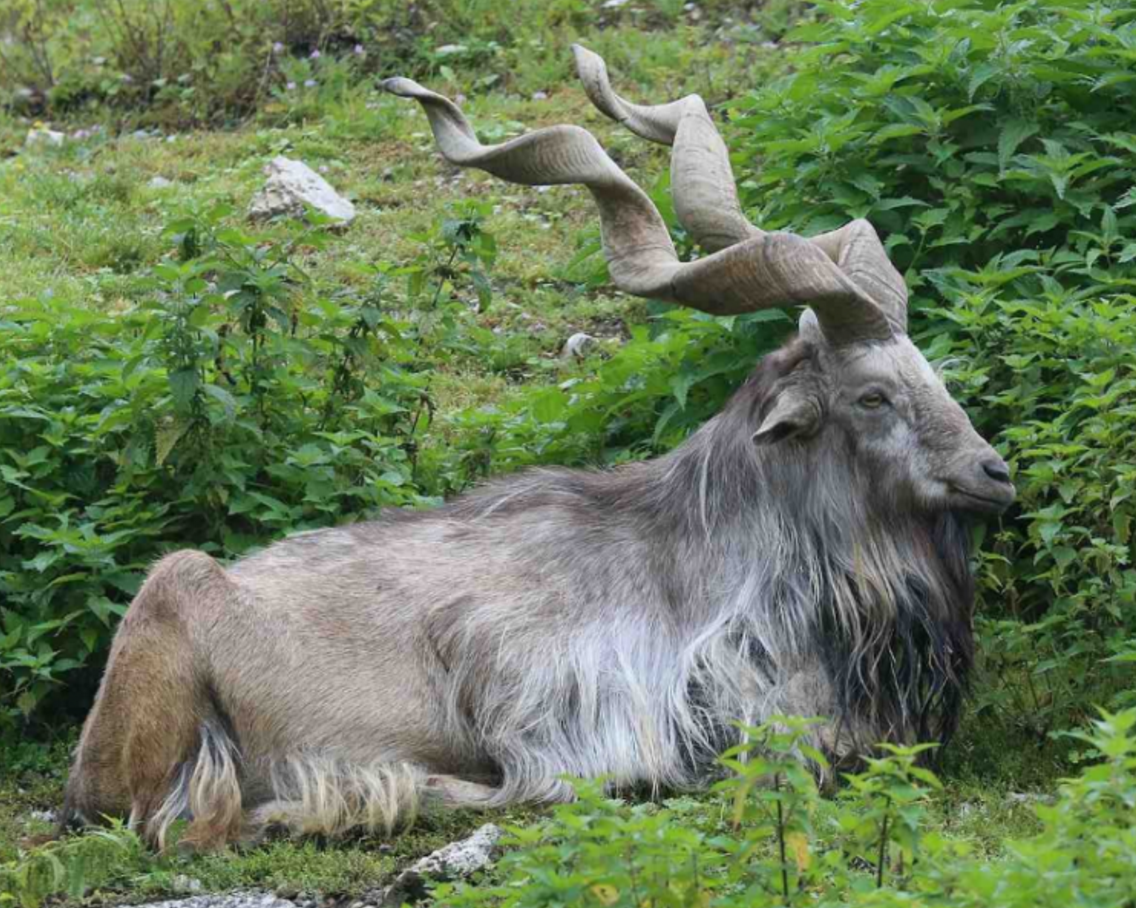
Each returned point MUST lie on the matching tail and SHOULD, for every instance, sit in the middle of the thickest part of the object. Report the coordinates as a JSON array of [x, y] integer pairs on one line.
[[310, 795], [206, 791], [317, 794]]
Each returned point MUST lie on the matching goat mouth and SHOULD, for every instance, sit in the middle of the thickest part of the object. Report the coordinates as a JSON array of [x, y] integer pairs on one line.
[[988, 503]]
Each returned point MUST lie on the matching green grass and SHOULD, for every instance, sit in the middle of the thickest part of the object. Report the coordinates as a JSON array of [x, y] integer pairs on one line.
[[82, 224], [985, 818], [31, 784]]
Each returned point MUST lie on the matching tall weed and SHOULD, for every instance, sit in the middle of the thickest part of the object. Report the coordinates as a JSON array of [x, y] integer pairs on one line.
[[216, 413]]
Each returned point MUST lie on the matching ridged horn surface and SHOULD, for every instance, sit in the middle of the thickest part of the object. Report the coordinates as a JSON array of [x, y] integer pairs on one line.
[[705, 194], [766, 271], [702, 181]]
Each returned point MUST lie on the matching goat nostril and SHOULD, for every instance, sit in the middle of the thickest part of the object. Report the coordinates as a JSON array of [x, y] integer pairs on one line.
[[997, 470]]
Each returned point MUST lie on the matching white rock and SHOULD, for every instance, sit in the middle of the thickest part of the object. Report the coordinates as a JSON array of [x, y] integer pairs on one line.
[[229, 900], [291, 186], [577, 345], [613, 4], [454, 861], [45, 137], [184, 883], [160, 183], [540, 96], [1028, 797]]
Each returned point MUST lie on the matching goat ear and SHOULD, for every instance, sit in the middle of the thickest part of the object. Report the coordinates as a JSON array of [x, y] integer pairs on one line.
[[794, 414]]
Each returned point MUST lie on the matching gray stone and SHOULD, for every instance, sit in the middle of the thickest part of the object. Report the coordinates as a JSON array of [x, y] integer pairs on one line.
[[577, 346], [1029, 797], [292, 186], [185, 883], [230, 900], [45, 136], [453, 862], [160, 183]]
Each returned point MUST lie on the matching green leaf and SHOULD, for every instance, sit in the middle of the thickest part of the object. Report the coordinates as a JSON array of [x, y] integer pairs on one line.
[[867, 183], [982, 74], [227, 401], [549, 406], [1013, 133], [183, 386], [895, 131], [904, 202], [166, 438]]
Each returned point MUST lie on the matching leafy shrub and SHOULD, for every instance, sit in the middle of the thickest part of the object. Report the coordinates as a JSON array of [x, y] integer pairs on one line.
[[217, 413], [964, 131], [767, 838], [72, 867], [200, 61], [783, 846], [1053, 377]]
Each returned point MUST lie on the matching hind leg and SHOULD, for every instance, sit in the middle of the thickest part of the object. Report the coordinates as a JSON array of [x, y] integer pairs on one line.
[[451, 791], [145, 729], [327, 798]]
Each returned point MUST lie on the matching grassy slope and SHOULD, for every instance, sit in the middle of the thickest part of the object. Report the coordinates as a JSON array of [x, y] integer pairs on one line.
[[82, 224]]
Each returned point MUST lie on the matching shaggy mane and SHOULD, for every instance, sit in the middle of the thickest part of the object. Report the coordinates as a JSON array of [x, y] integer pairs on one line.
[[799, 586]]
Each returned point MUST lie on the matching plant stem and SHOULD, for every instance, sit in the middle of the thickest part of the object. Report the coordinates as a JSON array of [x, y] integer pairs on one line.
[[781, 837], [635, 900], [882, 858], [442, 281]]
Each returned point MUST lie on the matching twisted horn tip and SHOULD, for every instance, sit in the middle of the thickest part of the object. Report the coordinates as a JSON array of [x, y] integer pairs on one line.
[[404, 88]]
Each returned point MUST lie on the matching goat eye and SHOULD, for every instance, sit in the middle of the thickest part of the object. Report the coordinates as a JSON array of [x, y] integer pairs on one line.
[[873, 400]]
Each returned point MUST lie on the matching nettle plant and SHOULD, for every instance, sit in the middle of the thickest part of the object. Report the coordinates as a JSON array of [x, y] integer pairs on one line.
[[455, 256], [771, 840], [768, 840], [1054, 372], [966, 130], [233, 403]]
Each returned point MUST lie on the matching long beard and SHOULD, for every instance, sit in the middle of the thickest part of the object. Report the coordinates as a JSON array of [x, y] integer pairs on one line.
[[906, 682]]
